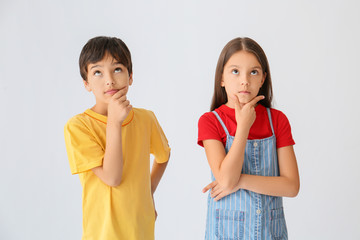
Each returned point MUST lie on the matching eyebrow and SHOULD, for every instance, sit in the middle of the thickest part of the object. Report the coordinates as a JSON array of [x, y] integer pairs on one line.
[[115, 63], [95, 66], [237, 66]]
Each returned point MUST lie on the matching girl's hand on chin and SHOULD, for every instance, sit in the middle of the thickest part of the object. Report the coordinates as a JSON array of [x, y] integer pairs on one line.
[[245, 113]]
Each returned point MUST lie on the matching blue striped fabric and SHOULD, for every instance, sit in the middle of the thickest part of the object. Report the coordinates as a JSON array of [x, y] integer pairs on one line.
[[245, 214]]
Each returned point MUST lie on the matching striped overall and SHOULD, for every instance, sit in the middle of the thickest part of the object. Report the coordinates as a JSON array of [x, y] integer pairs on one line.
[[245, 214]]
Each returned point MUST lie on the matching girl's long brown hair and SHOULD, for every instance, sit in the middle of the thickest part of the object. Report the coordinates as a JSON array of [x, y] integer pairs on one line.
[[236, 45]]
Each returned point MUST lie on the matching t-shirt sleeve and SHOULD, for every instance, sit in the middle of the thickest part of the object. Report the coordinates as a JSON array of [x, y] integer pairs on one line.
[[84, 152], [159, 146], [207, 128], [283, 137]]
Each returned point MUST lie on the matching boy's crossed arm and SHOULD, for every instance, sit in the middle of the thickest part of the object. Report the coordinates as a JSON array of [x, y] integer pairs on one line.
[[111, 170]]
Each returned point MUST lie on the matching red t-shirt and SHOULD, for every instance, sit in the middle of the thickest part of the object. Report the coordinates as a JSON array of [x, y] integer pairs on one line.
[[210, 127]]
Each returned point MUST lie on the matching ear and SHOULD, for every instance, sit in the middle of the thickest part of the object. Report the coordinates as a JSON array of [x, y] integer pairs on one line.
[[87, 86], [222, 82], [130, 79], [263, 80]]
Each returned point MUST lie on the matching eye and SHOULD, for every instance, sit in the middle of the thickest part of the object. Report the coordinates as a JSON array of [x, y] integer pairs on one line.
[[117, 70], [97, 73], [235, 71], [254, 72]]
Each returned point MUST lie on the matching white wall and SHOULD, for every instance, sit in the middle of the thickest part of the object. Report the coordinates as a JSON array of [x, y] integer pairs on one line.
[[313, 50]]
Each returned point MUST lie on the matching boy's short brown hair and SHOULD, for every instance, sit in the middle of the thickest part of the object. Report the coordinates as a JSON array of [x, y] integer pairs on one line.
[[96, 48]]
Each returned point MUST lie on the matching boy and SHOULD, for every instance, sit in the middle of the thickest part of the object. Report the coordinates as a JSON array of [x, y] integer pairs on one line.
[[109, 146]]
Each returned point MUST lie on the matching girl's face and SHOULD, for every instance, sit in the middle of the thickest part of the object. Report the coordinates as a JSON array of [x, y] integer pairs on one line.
[[242, 78]]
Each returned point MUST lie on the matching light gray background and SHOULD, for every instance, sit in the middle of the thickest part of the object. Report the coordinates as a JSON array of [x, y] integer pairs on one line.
[[313, 50]]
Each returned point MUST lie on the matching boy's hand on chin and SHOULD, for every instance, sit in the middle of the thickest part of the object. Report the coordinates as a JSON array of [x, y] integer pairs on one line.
[[119, 107]]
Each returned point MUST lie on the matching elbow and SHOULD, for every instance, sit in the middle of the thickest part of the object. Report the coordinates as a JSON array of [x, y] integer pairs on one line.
[[110, 178], [227, 180], [294, 191], [113, 182], [228, 183]]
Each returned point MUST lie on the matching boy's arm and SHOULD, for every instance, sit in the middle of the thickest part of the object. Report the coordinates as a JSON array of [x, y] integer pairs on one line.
[[111, 170], [157, 172]]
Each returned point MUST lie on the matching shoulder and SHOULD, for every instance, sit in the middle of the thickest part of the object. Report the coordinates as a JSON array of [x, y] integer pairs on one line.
[[78, 129], [278, 116], [276, 112], [208, 122], [282, 129], [209, 128], [207, 118], [146, 118], [77, 120], [144, 114], [82, 123]]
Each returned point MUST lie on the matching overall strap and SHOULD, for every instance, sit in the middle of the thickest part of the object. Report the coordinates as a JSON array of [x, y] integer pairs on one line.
[[221, 122], [271, 124]]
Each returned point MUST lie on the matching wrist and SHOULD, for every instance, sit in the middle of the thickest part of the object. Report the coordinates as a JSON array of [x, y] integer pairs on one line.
[[242, 182], [114, 124], [242, 130]]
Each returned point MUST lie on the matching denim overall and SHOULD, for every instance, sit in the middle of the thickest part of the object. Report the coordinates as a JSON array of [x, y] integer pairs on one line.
[[245, 214]]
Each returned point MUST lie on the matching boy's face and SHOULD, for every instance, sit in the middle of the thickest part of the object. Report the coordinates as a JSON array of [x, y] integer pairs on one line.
[[105, 78]]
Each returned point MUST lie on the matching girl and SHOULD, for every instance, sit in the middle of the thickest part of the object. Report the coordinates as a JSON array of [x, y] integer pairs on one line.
[[249, 148]]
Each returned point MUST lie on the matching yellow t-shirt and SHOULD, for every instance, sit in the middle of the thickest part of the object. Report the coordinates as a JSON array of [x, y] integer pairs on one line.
[[126, 211]]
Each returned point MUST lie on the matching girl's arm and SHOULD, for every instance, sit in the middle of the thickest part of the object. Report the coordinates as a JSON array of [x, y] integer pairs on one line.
[[227, 167], [286, 185]]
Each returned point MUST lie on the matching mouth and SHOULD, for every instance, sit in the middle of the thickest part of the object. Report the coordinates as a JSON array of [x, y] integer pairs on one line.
[[112, 91], [244, 92]]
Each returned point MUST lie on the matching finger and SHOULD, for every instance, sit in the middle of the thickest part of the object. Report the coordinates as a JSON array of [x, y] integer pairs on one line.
[[120, 93], [237, 103], [205, 189], [220, 196], [120, 99], [215, 188], [216, 193], [129, 108], [209, 186], [256, 99], [123, 104]]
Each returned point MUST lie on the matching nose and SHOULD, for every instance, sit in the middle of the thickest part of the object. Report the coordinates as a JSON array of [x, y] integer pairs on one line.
[[244, 80], [110, 80]]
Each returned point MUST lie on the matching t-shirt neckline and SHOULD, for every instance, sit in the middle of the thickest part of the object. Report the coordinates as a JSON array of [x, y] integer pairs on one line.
[[103, 118]]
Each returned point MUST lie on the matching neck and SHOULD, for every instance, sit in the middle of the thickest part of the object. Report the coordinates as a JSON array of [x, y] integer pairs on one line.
[[232, 105], [100, 109]]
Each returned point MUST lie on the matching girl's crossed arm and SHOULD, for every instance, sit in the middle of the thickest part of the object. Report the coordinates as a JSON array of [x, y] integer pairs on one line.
[[286, 185]]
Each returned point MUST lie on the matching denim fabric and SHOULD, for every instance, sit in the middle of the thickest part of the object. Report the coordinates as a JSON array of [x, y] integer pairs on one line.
[[245, 214]]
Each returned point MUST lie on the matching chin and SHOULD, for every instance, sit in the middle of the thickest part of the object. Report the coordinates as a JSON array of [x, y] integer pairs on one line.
[[244, 100]]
